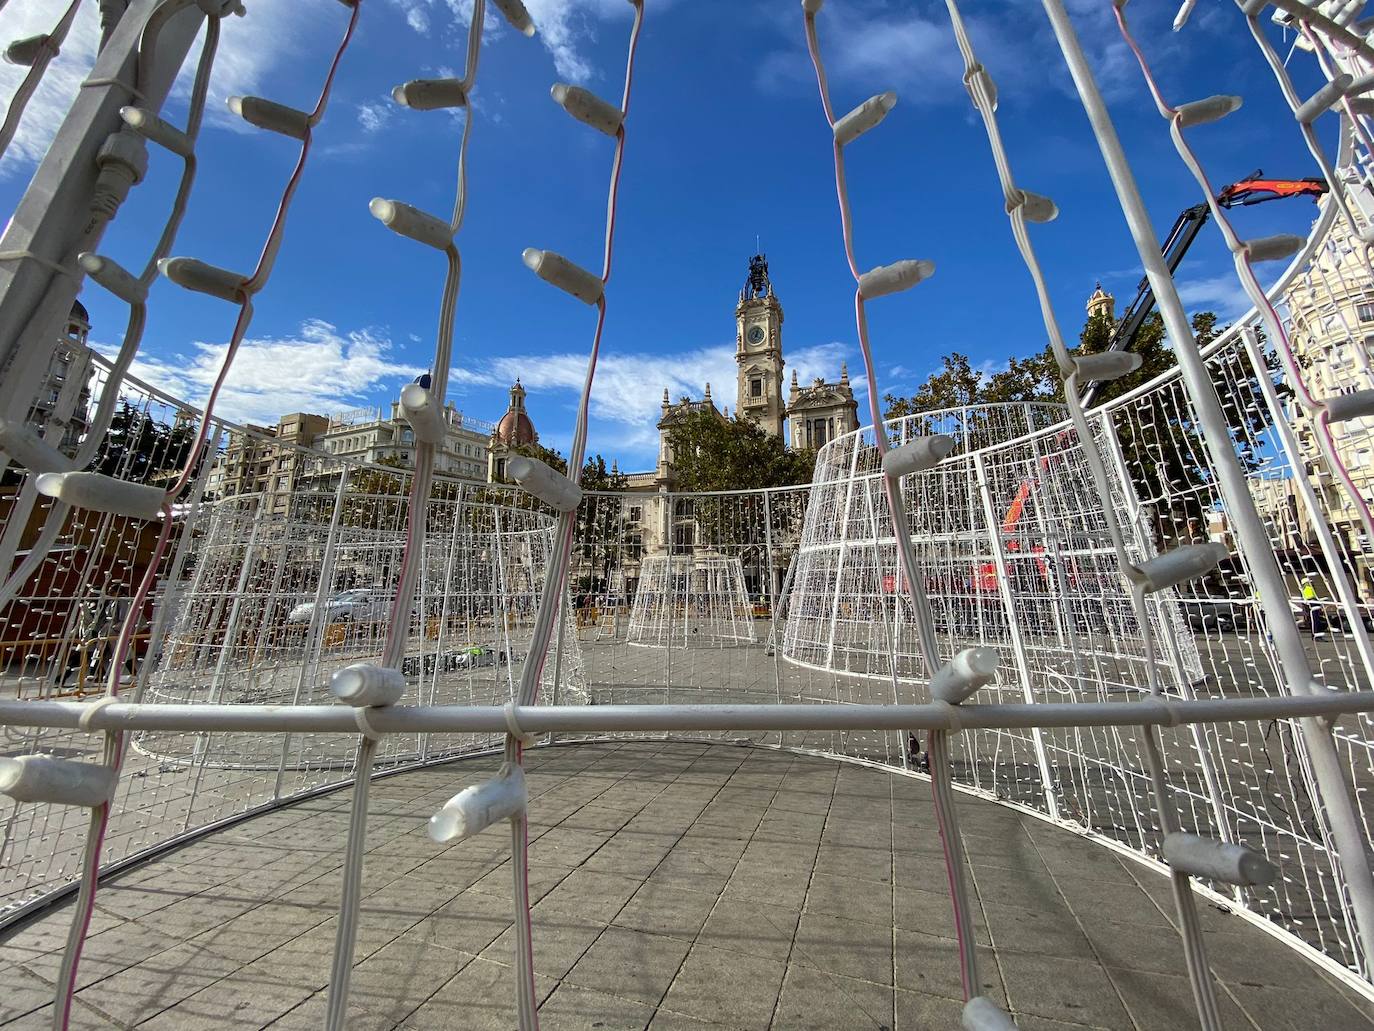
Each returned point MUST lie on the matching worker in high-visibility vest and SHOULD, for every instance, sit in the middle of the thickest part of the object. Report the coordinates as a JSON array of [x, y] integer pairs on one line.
[[1316, 619]]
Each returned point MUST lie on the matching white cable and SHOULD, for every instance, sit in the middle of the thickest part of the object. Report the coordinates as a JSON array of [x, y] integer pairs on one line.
[[39, 55]]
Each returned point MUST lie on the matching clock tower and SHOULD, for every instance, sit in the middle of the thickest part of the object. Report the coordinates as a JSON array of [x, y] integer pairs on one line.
[[758, 350]]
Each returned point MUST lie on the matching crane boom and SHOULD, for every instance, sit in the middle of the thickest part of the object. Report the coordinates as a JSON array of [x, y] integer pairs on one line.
[[1253, 189]]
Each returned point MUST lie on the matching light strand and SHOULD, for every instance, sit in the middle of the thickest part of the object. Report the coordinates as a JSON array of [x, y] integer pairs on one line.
[[114, 745], [925, 623]]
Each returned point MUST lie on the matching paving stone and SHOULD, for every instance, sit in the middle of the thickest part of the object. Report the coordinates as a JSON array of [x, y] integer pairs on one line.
[[1280, 1008], [81, 1017], [1161, 1002], [718, 847], [573, 1008], [1062, 989], [730, 988], [846, 947], [849, 899], [659, 909], [243, 999], [562, 933], [401, 976], [820, 1000], [480, 997], [105, 953], [631, 964], [916, 1011], [743, 926], [469, 923], [1054, 933], [929, 964], [147, 988], [24, 992], [598, 894]]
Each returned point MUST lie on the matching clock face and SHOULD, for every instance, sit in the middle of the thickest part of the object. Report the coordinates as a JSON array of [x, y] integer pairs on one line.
[[755, 335]]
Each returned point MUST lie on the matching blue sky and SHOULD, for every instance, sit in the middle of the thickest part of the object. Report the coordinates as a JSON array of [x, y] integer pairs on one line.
[[726, 142]]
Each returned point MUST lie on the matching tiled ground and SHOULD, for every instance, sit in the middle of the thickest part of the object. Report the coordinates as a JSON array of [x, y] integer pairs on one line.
[[678, 886]]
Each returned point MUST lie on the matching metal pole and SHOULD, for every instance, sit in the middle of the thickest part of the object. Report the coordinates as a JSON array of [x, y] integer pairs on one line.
[[1346, 830]]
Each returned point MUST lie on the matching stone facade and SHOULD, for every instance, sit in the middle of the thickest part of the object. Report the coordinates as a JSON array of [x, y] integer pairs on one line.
[[512, 430], [371, 436], [819, 413]]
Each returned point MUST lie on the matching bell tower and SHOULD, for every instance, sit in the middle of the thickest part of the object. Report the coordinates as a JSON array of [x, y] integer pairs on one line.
[[758, 350]]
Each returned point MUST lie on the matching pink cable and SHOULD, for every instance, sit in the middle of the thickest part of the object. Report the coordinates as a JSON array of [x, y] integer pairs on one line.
[[1248, 279], [557, 575], [115, 741], [891, 488]]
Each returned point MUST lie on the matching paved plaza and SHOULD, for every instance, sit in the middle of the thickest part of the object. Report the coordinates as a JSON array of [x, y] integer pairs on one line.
[[677, 886]]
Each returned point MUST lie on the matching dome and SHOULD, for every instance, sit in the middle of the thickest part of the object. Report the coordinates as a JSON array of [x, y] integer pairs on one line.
[[515, 428], [79, 314]]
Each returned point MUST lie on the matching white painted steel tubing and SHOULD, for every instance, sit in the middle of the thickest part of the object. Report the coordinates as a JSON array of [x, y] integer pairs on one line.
[[539, 719], [1346, 830]]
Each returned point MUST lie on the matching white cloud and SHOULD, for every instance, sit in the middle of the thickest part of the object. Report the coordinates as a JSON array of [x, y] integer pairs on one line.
[[318, 370], [1221, 294], [374, 117], [878, 44], [566, 28], [629, 386]]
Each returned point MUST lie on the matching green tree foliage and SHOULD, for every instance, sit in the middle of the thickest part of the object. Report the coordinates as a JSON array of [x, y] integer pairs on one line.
[[710, 453], [715, 454], [1160, 440], [140, 449]]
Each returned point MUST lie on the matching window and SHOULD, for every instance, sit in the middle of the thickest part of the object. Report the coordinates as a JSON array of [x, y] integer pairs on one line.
[[756, 384], [636, 513], [1364, 310]]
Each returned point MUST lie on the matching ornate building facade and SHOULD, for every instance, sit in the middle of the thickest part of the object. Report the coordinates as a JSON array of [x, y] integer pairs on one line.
[[810, 417], [513, 430]]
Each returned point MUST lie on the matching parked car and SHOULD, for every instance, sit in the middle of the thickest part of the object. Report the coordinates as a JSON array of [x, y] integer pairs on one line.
[[1209, 613], [354, 606]]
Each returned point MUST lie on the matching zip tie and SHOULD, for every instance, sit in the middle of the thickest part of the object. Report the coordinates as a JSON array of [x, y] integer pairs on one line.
[[513, 726], [134, 91], [1172, 717], [364, 723], [51, 266], [951, 714], [83, 723]]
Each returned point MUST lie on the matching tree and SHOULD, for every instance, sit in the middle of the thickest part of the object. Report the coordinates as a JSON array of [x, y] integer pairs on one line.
[[715, 454], [1159, 438], [140, 449], [711, 453]]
